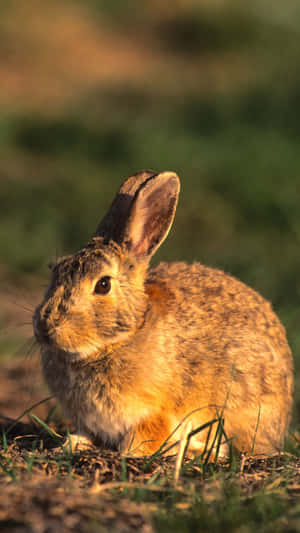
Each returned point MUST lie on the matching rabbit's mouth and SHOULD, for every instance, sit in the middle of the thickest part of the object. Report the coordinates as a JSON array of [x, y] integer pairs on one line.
[[57, 340]]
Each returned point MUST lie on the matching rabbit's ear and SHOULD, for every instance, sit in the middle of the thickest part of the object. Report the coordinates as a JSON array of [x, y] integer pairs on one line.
[[113, 224], [151, 214]]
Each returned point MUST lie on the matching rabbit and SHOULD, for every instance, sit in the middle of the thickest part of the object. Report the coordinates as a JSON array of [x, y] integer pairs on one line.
[[132, 352]]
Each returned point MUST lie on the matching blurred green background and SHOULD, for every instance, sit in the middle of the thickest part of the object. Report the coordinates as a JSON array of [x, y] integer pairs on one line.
[[92, 91]]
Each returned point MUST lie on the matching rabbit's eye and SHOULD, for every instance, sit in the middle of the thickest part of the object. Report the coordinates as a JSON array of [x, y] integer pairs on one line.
[[103, 285]]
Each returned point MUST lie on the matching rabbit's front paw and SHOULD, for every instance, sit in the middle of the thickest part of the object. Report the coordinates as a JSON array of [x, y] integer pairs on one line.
[[78, 443]]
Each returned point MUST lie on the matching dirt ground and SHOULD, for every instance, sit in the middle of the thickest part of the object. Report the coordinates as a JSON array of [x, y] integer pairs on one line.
[[21, 381]]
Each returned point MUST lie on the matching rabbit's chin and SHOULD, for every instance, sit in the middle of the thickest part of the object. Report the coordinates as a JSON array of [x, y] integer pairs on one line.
[[70, 351]]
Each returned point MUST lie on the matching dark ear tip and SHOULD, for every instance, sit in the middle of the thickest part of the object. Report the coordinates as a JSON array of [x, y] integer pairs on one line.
[[139, 184]]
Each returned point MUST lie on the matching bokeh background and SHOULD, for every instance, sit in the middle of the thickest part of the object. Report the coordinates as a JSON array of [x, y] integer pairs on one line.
[[94, 90]]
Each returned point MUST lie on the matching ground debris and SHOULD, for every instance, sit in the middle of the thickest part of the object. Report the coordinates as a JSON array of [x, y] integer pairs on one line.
[[44, 504]]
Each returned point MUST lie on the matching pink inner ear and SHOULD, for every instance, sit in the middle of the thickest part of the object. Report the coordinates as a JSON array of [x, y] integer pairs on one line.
[[154, 217]]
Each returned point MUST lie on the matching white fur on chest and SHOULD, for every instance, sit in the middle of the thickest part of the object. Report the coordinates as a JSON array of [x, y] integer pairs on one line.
[[112, 420]]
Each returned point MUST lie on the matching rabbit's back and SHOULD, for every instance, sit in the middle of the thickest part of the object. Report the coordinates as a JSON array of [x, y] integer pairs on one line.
[[219, 301]]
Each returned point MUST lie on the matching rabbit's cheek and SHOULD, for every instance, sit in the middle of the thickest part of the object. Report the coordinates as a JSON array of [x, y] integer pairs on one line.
[[77, 335]]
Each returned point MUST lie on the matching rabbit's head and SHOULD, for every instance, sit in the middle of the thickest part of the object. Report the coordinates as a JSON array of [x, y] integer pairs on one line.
[[97, 298]]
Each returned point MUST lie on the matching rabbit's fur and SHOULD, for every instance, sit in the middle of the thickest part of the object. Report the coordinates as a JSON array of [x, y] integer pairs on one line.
[[164, 344]]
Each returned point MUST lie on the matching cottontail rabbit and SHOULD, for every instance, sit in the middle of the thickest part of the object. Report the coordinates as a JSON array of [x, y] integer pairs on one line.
[[130, 351]]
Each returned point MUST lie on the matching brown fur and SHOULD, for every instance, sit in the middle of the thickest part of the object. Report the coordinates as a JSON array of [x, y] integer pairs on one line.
[[164, 343]]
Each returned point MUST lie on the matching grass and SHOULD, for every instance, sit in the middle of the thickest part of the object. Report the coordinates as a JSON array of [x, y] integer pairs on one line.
[[251, 493]]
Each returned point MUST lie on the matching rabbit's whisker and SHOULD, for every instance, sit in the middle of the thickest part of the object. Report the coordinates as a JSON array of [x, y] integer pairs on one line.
[[27, 348], [12, 299]]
